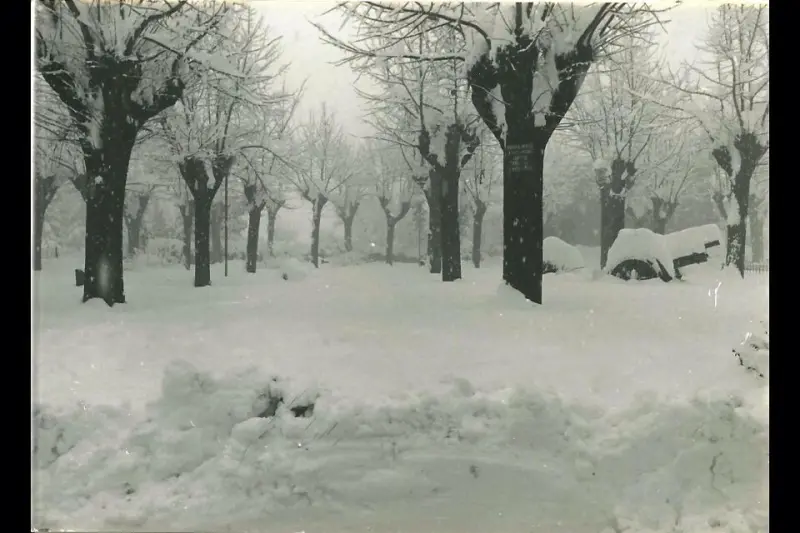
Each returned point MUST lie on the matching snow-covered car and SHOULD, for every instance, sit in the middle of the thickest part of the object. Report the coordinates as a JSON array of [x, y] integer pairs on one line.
[[642, 254]]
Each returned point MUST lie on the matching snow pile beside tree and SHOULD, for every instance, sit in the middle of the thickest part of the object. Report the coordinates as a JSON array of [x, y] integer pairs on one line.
[[560, 256], [641, 245], [208, 453]]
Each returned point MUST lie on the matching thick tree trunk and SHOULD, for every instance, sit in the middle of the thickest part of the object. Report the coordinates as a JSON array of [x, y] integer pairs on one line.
[[272, 217], [477, 232], [202, 230], [390, 225], [523, 210], [450, 227], [316, 221], [613, 192], [253, 224], [756, 236], [107, 171], [217, 215], [750, 152], [187, 216], [434, 198]]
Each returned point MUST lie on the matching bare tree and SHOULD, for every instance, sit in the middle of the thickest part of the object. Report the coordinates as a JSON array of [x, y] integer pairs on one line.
[[481, 186], [525, 63], [728, 94], [206, 131], [394, 189], [668, 167], [326, 165], [433, 99], [262, 185], [115, 67], [617, 120]]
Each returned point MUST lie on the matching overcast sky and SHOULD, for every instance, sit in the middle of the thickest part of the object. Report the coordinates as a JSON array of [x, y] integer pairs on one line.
[[312, 60]]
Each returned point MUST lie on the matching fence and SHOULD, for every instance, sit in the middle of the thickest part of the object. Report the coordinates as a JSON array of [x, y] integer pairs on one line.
[[757, 268]]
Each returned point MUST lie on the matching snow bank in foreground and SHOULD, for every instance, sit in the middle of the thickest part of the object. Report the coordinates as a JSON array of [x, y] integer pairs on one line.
[[641, 244], [201, 458], [562, 256]]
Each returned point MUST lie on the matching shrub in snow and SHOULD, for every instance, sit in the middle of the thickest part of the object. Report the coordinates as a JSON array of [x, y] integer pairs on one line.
[[293, 269], [349, 259], [163, 252], [560, 256], [753, 353], [640, 254]]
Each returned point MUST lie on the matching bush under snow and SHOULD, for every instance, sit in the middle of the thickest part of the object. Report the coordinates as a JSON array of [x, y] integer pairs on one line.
[[560, 256]]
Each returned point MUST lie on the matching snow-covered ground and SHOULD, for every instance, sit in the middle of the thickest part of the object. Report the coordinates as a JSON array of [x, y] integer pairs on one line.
[[439, 407]]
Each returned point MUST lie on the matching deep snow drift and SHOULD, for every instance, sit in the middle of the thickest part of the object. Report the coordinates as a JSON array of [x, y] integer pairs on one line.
[[438, 407]]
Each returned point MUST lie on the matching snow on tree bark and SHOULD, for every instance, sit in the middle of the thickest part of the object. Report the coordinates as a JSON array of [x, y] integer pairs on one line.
[[102, 87], [749, 152], [256, 207], [523, 131], [614, 184], [195, 173]]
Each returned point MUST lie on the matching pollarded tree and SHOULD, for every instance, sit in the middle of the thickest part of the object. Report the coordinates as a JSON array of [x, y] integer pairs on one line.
[[433, 100], [617, 120], [668, 168], [347, 199], [262, 179], [326, 165], [394, 189], [207, 129], [525, 63], [115, 67], [728, 93], [482, 184]]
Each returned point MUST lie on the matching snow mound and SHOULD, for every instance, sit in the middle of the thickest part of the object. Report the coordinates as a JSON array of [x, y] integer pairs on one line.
[[201, 457], [293, 269], [561, 256], [692, 240], [510, 297], [642, 244]]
